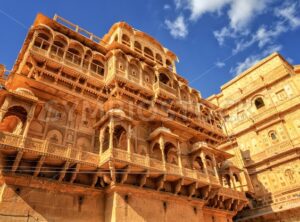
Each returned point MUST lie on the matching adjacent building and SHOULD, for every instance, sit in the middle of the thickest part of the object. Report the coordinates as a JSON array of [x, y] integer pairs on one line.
[[262, 118]]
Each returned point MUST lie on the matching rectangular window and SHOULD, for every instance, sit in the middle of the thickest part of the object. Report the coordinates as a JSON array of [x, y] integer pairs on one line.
[[281, 95]]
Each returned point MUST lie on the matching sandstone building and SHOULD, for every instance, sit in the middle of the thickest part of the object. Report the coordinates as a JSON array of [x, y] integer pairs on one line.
[[106, 130], [261, 111]]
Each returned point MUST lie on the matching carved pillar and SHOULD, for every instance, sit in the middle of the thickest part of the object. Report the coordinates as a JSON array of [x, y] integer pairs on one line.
[[202, 156], [101, 138], [111, 133], [162, 148], [232, 179], [129, 132], [215, 167], [25, 132], [179, 156]]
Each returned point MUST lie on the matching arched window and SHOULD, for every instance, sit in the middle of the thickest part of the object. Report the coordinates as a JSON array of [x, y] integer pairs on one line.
[[198, 164], [133, 71], [158, 59], [164, 78], [74, 53], [97, 67], [42, 40], [259, 103], [156, 152], [171, 153], [120, 138], [13, 120], [148, 53], [126, 40], [273, 135], [58, 46], [169, 65], [226, 180], [137, 47]]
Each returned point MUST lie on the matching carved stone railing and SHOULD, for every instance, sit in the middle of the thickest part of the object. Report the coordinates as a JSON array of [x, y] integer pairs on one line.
[[156, 164], [271, 151], [43, 146], [231, 193], [167, 89], [67, 58], [173, 169]]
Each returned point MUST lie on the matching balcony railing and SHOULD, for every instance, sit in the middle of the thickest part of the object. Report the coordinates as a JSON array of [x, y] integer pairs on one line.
[[61, 55], [167, 89], [153, 164], [272, 151], [43, 146], [234, 194], [78, 29]]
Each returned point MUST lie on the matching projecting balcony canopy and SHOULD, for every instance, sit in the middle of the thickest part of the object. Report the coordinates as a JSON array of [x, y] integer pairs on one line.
[[219, 154], [117, 113], [228, 165], [21, 93], [162, 131]]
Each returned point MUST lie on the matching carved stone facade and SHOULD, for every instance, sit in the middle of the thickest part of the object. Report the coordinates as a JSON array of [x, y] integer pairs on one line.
[[262, 118], [106, 130]]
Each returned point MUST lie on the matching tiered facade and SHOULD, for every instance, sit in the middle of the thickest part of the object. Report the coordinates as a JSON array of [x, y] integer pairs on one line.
[[106, 130], [262, 115]]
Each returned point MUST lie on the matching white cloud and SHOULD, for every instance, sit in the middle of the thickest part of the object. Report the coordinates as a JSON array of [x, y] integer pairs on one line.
[[220, 64], [289, 13], [167, 7], [200, 7], [253, 59], [241, 12], [178, 28]]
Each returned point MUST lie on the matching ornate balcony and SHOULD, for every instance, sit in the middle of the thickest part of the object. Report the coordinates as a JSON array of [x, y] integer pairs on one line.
[[43, 147], [160, 87], [46, 49], [271, 152]]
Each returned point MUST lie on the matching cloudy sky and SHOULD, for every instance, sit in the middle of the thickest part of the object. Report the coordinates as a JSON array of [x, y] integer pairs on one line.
[[214, 39]]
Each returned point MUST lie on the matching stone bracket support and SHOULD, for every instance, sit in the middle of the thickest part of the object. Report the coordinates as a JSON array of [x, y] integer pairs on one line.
[[192, 189], [74, 175], [160, 182], [17, 162], [144, 178], [125, 173], [39, 166], [63, 171]]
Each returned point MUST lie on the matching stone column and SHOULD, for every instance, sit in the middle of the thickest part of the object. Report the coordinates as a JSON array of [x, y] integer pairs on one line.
[[232, 179], [25, 132], [179, 156], [215, 167], [129, 139], [162, 148], [111, 133], [202, 156], [101, 137]]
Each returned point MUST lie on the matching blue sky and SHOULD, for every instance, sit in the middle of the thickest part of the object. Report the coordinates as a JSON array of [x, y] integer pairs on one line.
[[214, 39]]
